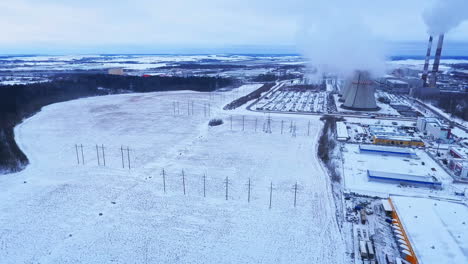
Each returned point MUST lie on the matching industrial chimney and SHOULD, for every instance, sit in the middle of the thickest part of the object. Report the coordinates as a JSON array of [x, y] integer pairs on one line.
[[435, 66], [426, 63]]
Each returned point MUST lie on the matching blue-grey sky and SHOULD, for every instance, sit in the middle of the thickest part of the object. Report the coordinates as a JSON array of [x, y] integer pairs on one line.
[[41, 26]]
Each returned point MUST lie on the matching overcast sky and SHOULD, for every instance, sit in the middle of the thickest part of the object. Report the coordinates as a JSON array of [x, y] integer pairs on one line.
[[92, 25]]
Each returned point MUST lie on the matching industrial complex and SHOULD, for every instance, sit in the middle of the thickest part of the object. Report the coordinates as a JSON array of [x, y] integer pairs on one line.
[[236, 158]]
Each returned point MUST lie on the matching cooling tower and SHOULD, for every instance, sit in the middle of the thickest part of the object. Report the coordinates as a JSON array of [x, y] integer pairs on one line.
[[426, 63], [345, 90], [435, 66], [360, 94]]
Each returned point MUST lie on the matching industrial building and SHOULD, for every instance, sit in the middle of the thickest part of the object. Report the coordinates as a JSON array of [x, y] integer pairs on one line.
[[434, 128], [458, 161], [434, 230], [341, 131], [359, 94], [459, 167], [393, 151], [458, 152], [395, 85], [398, 141], [405, 179], [399, 232], [116, 71]]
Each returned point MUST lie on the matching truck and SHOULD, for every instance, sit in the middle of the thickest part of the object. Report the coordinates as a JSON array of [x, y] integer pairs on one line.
[[370, 249], [363, 249], [363, 216]]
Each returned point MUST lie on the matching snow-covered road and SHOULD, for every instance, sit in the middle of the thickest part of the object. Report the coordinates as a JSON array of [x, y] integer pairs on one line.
[[57, 211]]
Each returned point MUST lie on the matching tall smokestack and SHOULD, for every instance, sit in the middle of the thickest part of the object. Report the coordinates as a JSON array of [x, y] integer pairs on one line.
[[435, 66], [426, 63]]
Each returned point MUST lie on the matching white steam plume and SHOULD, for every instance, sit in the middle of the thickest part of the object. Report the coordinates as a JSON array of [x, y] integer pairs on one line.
[[335, 39], [445, 15]]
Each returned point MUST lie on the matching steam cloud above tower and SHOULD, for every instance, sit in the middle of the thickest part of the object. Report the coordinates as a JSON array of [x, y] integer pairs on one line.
[[445, 15]]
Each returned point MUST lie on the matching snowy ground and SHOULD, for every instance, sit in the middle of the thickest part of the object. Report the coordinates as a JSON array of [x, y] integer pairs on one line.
[[57, 211], [438, 230]]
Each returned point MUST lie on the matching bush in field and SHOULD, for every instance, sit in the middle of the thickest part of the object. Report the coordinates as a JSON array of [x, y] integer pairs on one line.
[[215, 122], [384, 100]]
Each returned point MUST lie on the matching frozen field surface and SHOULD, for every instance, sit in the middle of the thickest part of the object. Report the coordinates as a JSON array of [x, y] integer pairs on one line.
[[58, 211], [438, 230]]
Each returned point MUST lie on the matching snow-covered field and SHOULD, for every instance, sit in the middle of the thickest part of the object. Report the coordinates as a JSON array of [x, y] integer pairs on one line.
[[57, 211], [438, 230]]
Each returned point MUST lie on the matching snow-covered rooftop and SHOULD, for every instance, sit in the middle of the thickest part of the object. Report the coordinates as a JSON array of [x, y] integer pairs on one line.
[[438, 230]]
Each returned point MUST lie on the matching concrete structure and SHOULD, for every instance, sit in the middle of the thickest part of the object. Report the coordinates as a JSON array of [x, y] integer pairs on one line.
[[345, 90], [434, 128], [341, 131], [398, 141], [398, 86], [360, 94], [459, 167], [393, 151], [434, 229], [458, 152], [426, 63], [435, 66], [116, 71], [406, 179]]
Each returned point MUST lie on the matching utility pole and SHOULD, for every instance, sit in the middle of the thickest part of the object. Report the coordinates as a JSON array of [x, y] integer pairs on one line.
[[183, 180], [103, 155], [243, 118], [128, 156], [97, 154], [164, 180], [255, 124], [227, 188], [231, 122], [248, 195], [308, 128], [82, 155], [77, 157], [121, 151], [295, 194], [188, 108], [268, 127], [271, 191], [204, 184], [282, 123]]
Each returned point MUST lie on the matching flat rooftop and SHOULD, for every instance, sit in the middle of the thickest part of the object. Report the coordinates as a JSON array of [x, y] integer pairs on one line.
[[356, 165], [385, 149], [438, 230], [400, 176]]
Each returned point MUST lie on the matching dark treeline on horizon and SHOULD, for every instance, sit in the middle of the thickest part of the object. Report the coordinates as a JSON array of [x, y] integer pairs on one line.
[[18, 102]]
